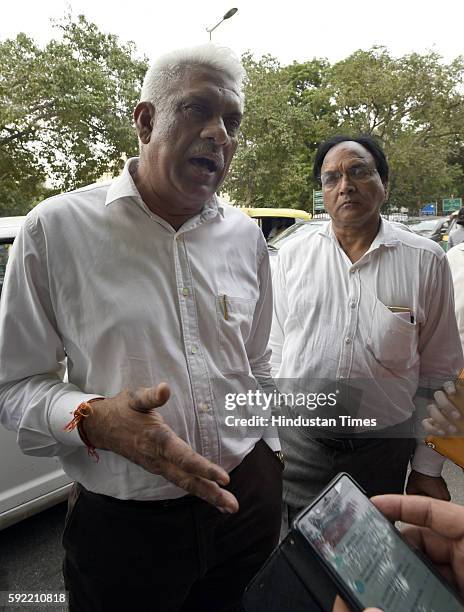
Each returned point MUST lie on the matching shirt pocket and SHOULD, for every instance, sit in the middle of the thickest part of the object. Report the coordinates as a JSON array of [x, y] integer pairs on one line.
[[392, 339], [234, 320]]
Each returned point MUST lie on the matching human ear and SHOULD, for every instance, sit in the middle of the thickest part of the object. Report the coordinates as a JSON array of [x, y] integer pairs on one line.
[[144, 115]]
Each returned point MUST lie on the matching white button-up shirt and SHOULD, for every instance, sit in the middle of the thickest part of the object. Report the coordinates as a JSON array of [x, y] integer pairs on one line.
[[335, 320], [96, 277]]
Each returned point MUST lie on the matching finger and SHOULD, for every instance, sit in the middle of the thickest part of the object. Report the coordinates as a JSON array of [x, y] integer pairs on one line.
[[440, 420], [439, 550], [449, 388], [174, 450], [201, 487], [340, 605], [447, 408], [149, 398], [163, 393], [432, 428], [443, 517], [435, 546]]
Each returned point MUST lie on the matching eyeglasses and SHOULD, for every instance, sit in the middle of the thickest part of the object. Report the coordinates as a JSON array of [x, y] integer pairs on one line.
[[354, 173]]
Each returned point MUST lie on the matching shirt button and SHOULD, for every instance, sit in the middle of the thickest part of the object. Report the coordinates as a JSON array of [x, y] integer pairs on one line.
[[347, 340], [353, 270], [203, 407], [185, 291], [352, 304], [193, 350]]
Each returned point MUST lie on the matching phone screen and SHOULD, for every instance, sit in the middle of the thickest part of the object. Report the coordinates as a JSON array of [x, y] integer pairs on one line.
[[369, 556]]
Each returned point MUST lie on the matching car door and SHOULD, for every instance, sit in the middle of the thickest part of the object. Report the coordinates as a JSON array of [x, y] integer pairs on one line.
[[27, 484]]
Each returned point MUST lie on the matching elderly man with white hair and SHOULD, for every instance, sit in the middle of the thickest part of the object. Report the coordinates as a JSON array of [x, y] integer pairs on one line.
[[159, 296]]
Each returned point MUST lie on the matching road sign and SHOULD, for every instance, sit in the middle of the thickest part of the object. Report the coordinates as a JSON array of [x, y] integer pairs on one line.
[[318, 201], [429, 209], [450, 204]]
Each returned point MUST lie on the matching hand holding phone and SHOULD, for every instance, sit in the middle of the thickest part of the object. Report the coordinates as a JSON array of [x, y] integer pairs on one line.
[[368, 560], [435, 527]]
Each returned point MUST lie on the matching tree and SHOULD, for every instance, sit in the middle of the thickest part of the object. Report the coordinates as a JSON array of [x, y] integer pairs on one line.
[[414, 105], [65, 112], [270, 167], [65, 119]]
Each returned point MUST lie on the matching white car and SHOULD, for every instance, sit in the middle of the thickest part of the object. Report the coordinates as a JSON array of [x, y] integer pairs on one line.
[[27, 484]]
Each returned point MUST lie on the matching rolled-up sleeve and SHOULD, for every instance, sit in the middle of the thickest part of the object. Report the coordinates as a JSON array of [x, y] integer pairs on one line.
[[34, 400]]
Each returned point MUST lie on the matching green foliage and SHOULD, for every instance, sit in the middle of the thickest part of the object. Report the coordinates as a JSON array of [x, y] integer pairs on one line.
[[412, 104], [65, 119], [65, 112], [271, 165]]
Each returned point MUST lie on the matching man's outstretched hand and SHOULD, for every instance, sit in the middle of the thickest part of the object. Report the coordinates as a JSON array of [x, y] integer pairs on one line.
[[130, 425]]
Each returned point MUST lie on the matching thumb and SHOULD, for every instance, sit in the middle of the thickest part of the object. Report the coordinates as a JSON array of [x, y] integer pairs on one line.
[[340, 606], [146, 399]]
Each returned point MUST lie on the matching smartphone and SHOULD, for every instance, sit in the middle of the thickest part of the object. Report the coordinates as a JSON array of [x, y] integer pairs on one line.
[[369, 561]]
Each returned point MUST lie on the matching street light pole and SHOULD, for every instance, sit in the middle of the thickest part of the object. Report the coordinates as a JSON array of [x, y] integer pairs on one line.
[[228, 15]]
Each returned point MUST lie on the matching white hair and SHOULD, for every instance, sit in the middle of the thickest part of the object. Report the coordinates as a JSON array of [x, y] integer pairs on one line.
[[171, 66]]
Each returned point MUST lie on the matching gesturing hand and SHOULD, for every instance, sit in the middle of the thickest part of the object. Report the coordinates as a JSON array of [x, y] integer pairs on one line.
[[130, 425]]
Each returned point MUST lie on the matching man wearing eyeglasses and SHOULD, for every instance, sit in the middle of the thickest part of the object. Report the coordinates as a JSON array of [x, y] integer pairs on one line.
[[364, 318]]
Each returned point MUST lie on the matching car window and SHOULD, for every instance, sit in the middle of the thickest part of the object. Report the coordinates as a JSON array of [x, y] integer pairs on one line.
[[4, 252], [302, 226], [284, 234]]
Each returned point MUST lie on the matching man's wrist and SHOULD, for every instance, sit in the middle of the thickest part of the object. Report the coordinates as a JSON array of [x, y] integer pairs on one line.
[[426, 461], [61, 412], [80, 416]]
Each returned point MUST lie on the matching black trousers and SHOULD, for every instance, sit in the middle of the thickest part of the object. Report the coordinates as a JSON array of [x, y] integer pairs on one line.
[[176, 554]]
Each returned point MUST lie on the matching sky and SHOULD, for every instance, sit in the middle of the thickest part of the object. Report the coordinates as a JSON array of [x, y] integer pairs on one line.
[[288, 30]]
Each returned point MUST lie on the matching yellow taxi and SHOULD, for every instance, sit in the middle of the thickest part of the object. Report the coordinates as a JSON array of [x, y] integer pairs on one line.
[[272, 221]]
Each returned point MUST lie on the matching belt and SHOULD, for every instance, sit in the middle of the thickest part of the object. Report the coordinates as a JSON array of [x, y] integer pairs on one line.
[[153, 504], [184, 501], [348, 444], [365, 438]]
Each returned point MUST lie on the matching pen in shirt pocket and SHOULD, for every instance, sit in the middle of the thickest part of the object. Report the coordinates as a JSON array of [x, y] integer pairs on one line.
[[403, 312], [224, 302]]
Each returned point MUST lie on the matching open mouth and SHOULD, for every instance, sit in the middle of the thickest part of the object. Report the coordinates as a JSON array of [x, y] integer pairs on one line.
[[205, 163]]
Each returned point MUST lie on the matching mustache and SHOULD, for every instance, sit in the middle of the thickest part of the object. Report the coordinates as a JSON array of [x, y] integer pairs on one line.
[[208, 150]]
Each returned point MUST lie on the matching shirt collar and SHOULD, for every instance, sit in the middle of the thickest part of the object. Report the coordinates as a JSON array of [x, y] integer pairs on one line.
[[124, 187], [386, 235]]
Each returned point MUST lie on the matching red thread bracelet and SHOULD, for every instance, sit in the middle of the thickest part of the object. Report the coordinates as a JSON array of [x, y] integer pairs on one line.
[[81, 412]]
